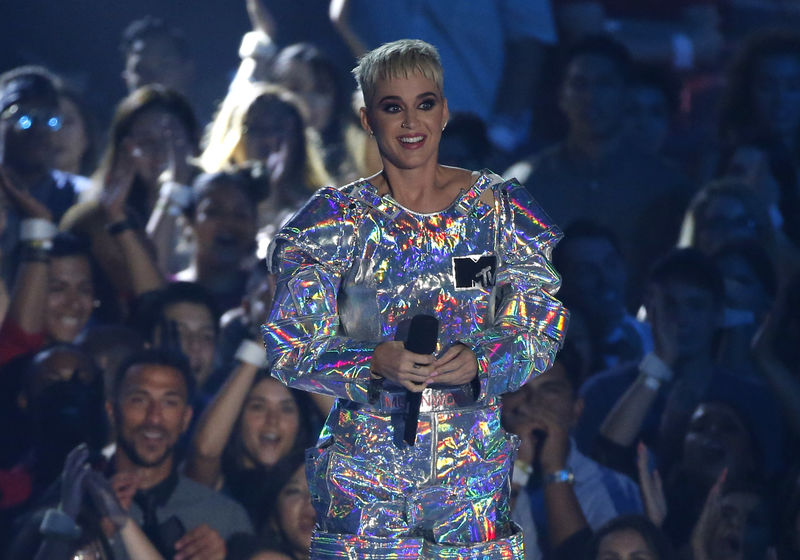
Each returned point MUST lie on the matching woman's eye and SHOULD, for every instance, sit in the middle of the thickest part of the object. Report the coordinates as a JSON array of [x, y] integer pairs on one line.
[[392, 108], [427, 105]]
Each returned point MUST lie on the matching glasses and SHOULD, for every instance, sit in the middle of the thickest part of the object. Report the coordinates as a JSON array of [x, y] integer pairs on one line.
[[28, 119]]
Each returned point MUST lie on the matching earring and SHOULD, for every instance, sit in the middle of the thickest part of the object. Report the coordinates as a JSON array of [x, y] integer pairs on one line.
[[371, 133], [96, 303]]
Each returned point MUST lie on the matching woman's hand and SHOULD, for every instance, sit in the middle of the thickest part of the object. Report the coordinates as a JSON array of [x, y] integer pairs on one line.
[[117, 187], [72, 480], [393, 362], [25, 202], [456, 366], [655, 503]]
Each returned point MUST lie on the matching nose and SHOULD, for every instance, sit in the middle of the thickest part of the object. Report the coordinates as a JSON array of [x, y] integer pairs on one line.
[[154, 414]]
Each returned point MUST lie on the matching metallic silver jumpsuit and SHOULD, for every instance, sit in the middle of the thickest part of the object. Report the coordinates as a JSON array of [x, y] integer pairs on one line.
[[352, 267]]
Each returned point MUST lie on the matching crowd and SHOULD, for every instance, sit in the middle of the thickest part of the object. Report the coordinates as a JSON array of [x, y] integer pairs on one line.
[[662, 137]]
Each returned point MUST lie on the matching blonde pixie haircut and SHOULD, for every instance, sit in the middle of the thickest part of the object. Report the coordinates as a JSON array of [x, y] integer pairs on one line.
[[398, 59]]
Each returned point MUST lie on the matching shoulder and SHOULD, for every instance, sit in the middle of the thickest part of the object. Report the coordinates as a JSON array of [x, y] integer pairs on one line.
[[525, 226], [323, 228], [204, 505]]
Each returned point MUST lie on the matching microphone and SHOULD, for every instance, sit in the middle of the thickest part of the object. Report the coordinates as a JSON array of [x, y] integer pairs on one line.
[[423, 333]]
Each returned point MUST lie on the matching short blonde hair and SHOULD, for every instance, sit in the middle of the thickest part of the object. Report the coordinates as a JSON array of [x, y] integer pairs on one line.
[[398, 59]]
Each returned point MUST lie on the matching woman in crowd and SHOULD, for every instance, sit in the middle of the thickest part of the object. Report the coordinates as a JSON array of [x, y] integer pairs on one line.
[[222, 221], [264, 125], [246, 434], [355, 268], [290, 516], [630, 537]]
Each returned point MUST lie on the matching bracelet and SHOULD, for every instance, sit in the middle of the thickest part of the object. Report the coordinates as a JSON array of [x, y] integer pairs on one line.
[[252, 353], [35, 253], [564, 475], [521, 474], [118, 227], [58, 524], [652, 383], [37, 229], [682, 51], [653, 366]]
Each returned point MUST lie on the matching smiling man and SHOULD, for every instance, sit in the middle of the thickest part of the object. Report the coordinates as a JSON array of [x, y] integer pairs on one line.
[[151, 410]]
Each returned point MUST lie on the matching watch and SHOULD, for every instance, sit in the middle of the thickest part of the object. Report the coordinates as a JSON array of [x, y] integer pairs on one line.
[[564, 475]]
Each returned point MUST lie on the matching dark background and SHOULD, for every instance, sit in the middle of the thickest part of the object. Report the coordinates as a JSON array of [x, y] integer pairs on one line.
[[79, 39]]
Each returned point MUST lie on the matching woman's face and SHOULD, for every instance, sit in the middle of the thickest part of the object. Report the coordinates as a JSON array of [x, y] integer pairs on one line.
[[743, 289], [296, 516], [715, 439], [738, 527], [72, 139], [725, 220], [272, 134], [407, 116], [270, 422], [625, 544], [317, 92], [70, 297], [776, 93], [158, 142], [224, 224]]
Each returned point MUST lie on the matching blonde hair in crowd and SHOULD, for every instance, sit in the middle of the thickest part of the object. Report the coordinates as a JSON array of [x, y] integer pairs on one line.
[[224, 139]]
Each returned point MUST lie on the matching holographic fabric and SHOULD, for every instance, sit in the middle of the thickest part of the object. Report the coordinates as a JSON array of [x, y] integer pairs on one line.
[[352, 267]]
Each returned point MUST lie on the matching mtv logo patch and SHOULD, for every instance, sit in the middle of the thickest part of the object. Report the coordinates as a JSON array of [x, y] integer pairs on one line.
[[474, 271]]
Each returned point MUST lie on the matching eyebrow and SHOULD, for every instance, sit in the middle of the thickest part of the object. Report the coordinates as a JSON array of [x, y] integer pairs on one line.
[[397, 97]]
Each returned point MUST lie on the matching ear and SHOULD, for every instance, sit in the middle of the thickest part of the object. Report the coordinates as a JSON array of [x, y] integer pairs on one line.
[[577, 410], [110, 413], [365, 120], [187, 418]]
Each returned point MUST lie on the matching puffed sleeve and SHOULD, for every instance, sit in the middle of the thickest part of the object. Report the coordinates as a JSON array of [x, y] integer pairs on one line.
[[527, 325], [304, 345]]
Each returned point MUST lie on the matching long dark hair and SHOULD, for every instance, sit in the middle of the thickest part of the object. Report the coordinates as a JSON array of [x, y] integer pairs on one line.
[[653, 537]]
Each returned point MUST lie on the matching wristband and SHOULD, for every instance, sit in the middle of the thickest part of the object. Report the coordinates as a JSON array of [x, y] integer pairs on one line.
[[564, 475], [257, 44], [252, 353], [118, 227], [35, 253], [521, 474], [176, 194], [37, 229], [650, 382], [682, 51], [653, 366], [58, 524]]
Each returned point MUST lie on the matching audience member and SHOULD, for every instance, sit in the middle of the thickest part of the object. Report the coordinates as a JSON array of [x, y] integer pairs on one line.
[[29, 118], [542, 413], [311, 75], [654, 400], [594, 174], [249, 431], [630, 537], [109, 346], [222, 221], [53, 296], [151, 409], [156, 54], [74, 142], [595, 283], [653, 93], [291, 517], [265, 124], [184, 317]]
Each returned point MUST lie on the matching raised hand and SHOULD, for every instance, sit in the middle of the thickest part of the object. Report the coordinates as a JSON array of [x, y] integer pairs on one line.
[[106, 500], [72, 480], [25, 203], [655, 503], [201, 543], [117, 187]]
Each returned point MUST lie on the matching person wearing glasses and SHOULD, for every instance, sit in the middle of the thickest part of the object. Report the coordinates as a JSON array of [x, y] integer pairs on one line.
[[29, 117]]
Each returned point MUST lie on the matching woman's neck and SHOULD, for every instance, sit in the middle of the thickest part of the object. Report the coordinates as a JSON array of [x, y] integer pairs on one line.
[[425, 189]]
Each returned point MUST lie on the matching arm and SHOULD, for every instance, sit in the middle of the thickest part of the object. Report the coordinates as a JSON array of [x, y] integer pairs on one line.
[[215, 426], [136, 543], [144, 273], [339, 14], [650, 40], [310, 256], [528, 324]]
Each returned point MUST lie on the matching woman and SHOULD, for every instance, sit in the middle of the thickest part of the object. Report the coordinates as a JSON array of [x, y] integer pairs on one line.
[[290, 518], [263, 125], [244, 437], [630, 537], [354, 266], [222, 219]]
